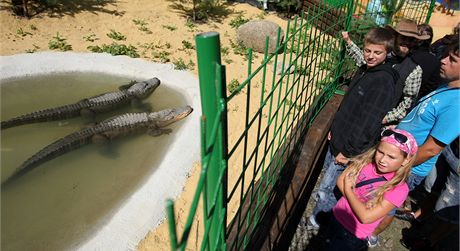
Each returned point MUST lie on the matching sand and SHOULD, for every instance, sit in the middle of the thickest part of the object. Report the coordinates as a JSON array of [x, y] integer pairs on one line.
[[161, 33]]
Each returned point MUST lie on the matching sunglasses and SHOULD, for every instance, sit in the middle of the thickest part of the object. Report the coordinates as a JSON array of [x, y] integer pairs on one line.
[[401, 138]]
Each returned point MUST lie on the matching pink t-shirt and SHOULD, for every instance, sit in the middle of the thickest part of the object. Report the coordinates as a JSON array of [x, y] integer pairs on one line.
[[344, 214]]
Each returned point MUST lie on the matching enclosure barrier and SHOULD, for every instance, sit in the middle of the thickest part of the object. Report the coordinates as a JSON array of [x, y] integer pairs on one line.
[[241, 167]]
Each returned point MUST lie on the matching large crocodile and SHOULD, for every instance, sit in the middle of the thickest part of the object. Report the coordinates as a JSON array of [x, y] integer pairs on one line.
[[130, 123], [131, 92]]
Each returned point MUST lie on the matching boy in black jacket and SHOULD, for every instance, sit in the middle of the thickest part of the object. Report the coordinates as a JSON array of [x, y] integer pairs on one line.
[[358, 121]]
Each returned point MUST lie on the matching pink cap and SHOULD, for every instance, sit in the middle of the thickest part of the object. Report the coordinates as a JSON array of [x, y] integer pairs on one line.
[[404, 141]]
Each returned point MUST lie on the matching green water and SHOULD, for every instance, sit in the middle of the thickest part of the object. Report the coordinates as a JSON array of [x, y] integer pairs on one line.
[[64, 200]]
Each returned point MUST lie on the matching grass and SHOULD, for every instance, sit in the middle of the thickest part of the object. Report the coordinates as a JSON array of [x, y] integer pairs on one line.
[[170, 27], [190, 25], [23, 33], [116, 49], [233, 86], [238, 21], [90, 38], [179, 64], [115, 35], [59, 43], [33, 50], [186, 45], [142, 26]]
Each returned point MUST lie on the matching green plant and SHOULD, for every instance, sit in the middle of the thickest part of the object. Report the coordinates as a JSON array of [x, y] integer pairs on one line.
[[116, 49], [181, 65], [186, 45], [170, 27], [233, 86], [262, 15], [224, 51], [33, 50], [139, 22], [238, 21], [228, 60], [60, 43], [142, 26], [162, 56], [190, 25], [239, 49], [115, 35], [33, 27], [90, 38], [22, 32]]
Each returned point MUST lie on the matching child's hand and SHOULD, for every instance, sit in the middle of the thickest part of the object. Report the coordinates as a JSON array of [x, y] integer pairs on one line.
[[341, 159], [345, 37]]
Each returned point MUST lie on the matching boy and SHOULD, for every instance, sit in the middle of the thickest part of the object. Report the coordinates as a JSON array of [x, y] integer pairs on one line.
[[357, 123], [407, 37]]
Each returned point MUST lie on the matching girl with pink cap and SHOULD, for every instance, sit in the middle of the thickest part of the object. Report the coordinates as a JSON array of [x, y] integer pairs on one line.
[[372, 186]]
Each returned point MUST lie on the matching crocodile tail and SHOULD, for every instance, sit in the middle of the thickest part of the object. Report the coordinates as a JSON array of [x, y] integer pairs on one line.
[[64, 145], [51, 114]]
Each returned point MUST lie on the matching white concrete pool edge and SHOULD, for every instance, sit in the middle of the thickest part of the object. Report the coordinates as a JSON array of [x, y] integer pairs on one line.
[[145, 209]]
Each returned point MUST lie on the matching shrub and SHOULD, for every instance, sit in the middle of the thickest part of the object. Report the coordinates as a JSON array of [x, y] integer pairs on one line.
[[115, 35], [116, 49], [238, 21], [59, 43]]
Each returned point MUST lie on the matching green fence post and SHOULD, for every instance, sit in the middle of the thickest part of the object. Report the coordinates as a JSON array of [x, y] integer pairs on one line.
[[209, 61], [430, 11]]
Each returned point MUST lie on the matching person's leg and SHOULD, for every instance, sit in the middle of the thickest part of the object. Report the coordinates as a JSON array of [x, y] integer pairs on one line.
[[383, 225], [325, 197], [340, 239]]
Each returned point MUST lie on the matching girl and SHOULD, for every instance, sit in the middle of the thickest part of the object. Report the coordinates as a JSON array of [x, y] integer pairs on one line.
[[372, 186]]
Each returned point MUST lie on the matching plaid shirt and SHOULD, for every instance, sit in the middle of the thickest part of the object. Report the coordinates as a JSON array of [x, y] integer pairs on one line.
[[410, 90]]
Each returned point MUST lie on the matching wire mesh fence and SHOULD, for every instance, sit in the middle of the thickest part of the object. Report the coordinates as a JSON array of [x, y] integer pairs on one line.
[[243, 154]]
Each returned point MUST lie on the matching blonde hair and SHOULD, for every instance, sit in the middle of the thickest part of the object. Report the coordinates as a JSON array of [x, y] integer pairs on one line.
[[360, 161]]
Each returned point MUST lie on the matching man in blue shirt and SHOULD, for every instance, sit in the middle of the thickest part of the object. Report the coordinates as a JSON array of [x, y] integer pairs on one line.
[[434, 122]]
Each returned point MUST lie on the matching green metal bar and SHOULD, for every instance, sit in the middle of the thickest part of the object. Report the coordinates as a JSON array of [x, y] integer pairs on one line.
[[171, 224], [430, 11], [209, 58]]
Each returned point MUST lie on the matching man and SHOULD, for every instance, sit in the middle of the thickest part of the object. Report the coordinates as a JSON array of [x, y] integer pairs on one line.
[[434, 122]]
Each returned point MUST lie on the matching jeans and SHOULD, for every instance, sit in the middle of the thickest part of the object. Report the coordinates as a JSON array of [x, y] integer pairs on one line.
[[340, 239], [325, 198], [414, 180], [447, 204]]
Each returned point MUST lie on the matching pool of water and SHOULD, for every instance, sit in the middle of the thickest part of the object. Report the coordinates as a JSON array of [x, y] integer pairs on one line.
[[65, 200]]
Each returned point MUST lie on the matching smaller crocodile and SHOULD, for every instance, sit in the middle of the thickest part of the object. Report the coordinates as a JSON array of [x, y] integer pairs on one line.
[[88, 107], [127, 124]]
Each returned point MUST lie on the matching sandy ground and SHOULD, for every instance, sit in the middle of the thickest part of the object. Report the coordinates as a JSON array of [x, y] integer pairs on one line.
[[160, 31]]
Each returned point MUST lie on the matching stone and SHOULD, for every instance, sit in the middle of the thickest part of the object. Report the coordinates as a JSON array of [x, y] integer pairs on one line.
[[253, 34]]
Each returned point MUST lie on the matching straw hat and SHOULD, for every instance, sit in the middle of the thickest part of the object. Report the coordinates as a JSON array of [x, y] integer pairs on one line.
[[409, 28]]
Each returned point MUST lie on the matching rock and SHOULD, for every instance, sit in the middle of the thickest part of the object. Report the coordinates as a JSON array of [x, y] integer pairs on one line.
[[253, 33]]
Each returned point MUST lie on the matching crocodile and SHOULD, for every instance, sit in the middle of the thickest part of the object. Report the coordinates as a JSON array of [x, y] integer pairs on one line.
[[88, 107], [152, 123]]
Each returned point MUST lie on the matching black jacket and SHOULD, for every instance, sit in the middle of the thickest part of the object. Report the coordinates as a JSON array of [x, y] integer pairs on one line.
[[357, 123], [431, 70]]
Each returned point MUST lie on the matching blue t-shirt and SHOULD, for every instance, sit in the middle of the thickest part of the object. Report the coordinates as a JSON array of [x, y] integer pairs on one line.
[[437, 115]]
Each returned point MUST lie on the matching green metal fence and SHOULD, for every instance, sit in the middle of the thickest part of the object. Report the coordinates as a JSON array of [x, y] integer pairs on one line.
[[244, 149]]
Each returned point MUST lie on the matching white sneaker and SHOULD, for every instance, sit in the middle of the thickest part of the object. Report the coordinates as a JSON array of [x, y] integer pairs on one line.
[[372, 241], [312, 224]]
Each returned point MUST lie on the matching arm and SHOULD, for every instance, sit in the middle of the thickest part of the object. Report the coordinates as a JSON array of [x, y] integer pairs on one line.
[[353, 50], [430, 148], [410, 92], [364, 214]]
